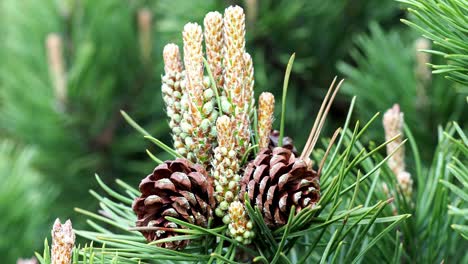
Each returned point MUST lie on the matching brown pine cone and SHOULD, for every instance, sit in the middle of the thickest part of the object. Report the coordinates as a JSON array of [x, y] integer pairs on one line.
[[275, 181], [287, 142], [178, 189]]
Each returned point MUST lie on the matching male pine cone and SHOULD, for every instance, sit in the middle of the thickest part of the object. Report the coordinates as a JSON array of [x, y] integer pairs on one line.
[[225, 167], [177, 189], [275, 181]]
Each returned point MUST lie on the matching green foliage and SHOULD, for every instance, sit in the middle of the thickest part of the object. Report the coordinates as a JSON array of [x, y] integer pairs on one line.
[[444, 22], [459, 169], [24, 202], [427, 236], [384, 73]]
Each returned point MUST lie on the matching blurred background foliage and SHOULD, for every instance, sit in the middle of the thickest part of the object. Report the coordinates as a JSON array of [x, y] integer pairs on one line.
[[112, 60], [25, 201]]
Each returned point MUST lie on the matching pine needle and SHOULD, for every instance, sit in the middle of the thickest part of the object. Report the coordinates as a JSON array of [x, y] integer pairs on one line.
[[283, 100]]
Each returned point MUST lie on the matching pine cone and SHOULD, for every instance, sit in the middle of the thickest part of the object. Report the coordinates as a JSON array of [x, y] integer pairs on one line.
[[177, 189], [275, 181]]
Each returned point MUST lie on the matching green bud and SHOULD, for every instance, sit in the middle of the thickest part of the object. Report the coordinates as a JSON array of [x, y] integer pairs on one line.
[[186, 127], [182, 151], [169, 82], [219, 212], [207, 108], [224, 205], [226, 107], [176, 117], [229, 196], [232, 185], [226, 219], [205, 125], [165, 88], [223, 181], [213, 131], [183, 135], [208, 94], [188, 141], [237, 178]]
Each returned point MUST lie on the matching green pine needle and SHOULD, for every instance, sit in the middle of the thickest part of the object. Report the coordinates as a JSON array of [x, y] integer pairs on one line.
[[283, 99]]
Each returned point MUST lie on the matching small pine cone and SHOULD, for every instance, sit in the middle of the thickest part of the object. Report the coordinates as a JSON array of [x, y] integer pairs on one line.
[[193, 61], [234, 29], [172, 93], [233, 54], [225, 167], [240, 227], [63, 240], [288, 142], [178, 189], [213, 23], [238, 76], [393, 125], [275, 181], [201, 115], [266, 107], [234, 50]]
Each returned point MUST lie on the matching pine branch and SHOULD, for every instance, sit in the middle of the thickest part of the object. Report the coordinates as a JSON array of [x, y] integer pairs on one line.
[[443, 22]]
